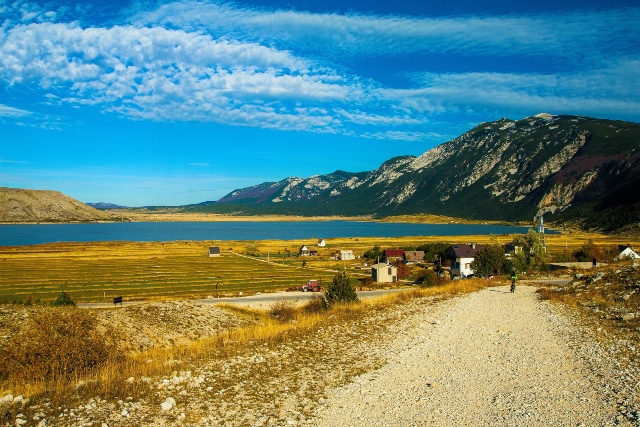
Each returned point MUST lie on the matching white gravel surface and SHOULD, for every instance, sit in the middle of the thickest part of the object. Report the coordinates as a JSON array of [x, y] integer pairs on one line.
[[491, 358]]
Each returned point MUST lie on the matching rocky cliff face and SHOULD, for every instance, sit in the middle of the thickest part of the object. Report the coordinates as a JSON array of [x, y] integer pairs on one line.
[[18, 205], [508, 169]]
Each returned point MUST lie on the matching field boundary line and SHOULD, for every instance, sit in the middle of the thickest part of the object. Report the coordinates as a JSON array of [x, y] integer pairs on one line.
[[291, 266]]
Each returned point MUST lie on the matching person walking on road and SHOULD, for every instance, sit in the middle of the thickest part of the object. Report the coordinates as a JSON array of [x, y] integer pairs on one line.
[[514, 277]]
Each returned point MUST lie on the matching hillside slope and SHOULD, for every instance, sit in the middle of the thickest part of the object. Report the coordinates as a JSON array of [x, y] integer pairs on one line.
[[18, 205], [568, 167]]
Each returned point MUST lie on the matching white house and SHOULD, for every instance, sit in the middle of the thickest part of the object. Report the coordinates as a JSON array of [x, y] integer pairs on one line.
[[626, 252], [322, 243], [461, 257], [384, 273], [346, 255]]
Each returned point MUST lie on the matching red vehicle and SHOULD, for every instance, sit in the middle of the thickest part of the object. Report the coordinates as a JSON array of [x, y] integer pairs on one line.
[[312, 285]]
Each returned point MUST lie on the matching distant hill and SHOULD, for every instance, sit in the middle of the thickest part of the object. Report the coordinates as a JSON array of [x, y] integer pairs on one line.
[[103, 205], [18, 205], [570, 168]]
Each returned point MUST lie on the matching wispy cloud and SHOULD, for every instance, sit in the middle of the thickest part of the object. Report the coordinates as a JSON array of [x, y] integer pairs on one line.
[[397, 135], [204, 165], [160, 74], [16, 162], [612, 90], [6, 111], [290, 70], [358, 34]]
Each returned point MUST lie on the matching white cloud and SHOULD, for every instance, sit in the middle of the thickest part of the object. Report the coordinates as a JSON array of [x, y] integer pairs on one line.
[[607, 91], [160, 74], [398, 135], [6, 111], [215, 62], [571, 34]]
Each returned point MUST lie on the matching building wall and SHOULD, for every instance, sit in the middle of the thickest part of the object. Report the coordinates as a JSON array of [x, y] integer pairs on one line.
[[346, 256], [462, 266], [386, 274]]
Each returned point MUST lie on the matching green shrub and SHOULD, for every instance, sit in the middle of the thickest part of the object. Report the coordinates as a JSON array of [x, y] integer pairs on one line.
[[429, 278], [340, 290], [488, 260], [64, 299]]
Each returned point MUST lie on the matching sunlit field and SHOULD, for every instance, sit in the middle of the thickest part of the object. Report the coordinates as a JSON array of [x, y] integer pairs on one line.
[[97, 272]]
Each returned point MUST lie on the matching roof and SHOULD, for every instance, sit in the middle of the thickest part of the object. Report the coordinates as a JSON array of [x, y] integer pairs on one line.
[[394, 253], [382, 265], [464, 251], [345, 251], [627, 252], [414, 255]]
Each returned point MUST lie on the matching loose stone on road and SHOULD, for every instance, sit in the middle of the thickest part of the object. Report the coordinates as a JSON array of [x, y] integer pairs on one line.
[[489, 358]]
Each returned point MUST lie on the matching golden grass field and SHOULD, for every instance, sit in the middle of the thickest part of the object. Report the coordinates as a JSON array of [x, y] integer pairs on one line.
[[99, 271]]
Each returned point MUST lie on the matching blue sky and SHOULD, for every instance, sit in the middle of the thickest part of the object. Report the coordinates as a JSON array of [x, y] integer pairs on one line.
[[169, 103]]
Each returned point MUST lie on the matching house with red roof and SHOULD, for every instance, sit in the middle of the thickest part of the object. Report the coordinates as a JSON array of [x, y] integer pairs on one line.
[[389, 256]]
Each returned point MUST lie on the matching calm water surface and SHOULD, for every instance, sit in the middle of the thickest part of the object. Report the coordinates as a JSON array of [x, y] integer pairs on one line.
[[30, 234]]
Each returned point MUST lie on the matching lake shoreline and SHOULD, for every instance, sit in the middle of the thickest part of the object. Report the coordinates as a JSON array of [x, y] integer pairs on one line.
[[124, 216], [313, 231]]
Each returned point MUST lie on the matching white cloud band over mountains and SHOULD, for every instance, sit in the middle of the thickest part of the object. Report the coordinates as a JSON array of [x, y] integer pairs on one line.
[[290, 70]]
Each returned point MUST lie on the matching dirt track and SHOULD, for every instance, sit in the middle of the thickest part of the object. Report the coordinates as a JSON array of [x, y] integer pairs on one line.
[[490, 358]]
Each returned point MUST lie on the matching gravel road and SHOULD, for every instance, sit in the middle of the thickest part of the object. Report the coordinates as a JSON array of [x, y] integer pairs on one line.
[[491, 358]]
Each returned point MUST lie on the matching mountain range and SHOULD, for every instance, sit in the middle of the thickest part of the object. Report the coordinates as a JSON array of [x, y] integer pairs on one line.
[[577, 170], [569, 168]]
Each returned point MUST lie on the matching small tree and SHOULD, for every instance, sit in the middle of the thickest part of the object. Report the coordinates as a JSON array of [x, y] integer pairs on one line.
[[434, 252], [489, 259], [373, 254], [534, 255], [587, 252], [64, 299], [340, 290], [403, 269]]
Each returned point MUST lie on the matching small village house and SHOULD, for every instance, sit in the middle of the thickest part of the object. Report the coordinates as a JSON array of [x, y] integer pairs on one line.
[[413, 257], [214, 251], [625, 252], [304, 251], [461, 257], [384, 273], [322, 243], [390, 256], [346, 255]]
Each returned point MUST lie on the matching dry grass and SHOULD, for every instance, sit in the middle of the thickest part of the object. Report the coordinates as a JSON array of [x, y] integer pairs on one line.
[[607, 300], [112, 376]]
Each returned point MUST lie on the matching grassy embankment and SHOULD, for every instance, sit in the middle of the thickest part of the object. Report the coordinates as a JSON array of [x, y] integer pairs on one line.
[[96, 272], [112, 374]]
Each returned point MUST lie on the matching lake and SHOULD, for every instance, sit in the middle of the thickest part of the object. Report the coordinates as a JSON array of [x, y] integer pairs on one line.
[[30, 234]]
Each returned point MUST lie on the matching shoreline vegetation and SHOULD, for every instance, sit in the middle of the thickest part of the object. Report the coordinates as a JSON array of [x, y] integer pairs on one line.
[[128, 215]]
